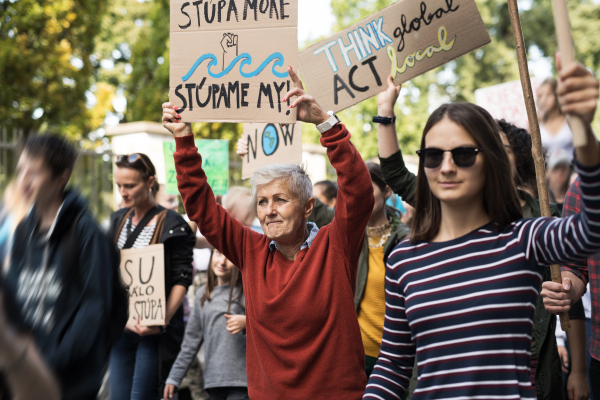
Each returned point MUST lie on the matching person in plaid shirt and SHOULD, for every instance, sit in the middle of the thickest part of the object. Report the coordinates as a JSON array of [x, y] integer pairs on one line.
[[572, 205]]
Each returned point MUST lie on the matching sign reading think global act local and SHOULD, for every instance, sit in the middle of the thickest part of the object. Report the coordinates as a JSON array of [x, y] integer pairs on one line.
[[405, 40], [229, 59]]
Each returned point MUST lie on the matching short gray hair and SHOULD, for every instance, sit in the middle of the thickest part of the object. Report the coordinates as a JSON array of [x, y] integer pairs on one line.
[[294, 174]]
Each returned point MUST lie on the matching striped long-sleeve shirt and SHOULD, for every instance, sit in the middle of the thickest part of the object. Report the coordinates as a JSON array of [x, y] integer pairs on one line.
[[465, 307]]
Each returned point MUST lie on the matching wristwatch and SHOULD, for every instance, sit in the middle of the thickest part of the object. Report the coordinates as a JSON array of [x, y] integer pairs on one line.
[[384, 120], [327, 125]]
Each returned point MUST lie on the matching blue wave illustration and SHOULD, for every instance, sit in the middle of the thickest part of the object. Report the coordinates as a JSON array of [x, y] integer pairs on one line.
[[246, 59]]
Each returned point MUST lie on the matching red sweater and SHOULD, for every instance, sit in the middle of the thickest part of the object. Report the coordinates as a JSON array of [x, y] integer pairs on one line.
[[303, 339]]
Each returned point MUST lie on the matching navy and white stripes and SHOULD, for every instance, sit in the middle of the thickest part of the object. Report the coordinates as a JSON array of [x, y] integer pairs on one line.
[[465, 307]]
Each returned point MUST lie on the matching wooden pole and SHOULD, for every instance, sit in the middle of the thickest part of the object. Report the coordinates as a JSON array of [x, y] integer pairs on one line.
[[567, 57], [534, 129]]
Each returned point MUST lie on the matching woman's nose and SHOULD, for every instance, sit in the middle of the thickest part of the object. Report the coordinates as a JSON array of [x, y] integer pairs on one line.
[[448, 165]]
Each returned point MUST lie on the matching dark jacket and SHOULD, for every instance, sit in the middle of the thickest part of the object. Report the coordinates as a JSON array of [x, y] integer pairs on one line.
[[399, 232], [321, 215], [548, 379], [179, 241], [65, 305]]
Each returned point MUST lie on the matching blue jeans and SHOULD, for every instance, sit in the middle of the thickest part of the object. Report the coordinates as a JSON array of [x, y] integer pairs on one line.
[[133, 368]]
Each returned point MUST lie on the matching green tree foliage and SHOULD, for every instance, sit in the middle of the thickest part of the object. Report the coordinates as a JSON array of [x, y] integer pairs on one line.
[[45, 48]]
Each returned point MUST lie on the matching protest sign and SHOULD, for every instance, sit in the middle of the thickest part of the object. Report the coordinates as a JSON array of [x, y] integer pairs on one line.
[[506, 101], [229, 59], [271, 144], [143, 272], [215, 162], [405, 40]]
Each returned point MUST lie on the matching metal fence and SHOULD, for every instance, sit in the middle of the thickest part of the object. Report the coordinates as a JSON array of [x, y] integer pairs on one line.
[[92, 175]]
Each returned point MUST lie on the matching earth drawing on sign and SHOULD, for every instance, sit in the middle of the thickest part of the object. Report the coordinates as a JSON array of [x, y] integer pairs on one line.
[[270, 140]]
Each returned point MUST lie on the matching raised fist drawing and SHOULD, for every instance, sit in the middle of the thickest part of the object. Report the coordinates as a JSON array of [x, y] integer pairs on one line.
[[229, 43]]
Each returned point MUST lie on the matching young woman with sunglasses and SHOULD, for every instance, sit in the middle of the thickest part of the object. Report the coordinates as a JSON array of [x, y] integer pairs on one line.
[[461, 294], [141, 360]]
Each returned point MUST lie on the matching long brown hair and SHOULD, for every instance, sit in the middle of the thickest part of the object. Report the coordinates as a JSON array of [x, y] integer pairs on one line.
[[499, 194], [236, 282]]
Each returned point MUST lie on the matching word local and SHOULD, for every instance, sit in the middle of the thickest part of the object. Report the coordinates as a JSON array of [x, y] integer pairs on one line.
[[230, 95], [218, 9]]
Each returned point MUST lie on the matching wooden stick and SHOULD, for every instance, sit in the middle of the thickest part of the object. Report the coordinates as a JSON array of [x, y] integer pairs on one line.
[[536, 139], [567, 57]]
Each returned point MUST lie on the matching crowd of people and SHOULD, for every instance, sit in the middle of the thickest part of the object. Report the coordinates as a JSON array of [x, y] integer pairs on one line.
[[324, 290]]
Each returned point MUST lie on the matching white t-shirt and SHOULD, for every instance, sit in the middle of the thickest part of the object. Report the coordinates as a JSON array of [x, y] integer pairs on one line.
[[562, 140]]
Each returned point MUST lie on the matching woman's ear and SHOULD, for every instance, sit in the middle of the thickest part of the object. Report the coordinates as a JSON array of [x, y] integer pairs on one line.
[[387, 193], [309, 206], [151, 181]]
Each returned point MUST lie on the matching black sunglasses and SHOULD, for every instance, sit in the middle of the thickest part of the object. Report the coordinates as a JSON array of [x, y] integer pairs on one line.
[[132, 158], [463, 157]]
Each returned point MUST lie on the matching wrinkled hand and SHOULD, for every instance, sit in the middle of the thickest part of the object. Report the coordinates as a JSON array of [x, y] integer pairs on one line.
[[169, 391], [564, 358], [577, 91], [235, 323], [558, 297], [241, 148], [387, 99], [578, 387], [308, 108], [170, 120]]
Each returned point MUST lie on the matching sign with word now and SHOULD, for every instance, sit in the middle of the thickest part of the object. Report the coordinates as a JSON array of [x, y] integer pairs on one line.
[[143, 272], [229, 59], [215, 162], [405, 40], [271, 144]]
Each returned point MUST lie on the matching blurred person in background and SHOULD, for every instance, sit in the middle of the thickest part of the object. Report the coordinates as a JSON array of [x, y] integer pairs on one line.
[[573, 349], [545, 365], [166, 200], [237, 203], [218, 308], [59, 276], [384, 231], [554, 129], [13, 209], [23, 373], [141, 360], [326, 191], [558, 173]]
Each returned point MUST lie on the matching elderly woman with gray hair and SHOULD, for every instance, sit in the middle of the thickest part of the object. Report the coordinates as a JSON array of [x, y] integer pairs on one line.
[[303, 338]]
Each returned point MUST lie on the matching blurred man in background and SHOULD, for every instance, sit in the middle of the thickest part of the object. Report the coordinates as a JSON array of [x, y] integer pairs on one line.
[[60, 270]]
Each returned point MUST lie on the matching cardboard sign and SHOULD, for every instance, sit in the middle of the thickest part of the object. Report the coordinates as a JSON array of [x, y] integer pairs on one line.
[[215, 162], [143, 272], [271, 144], [229, 59], [405, 40], [506, 101]]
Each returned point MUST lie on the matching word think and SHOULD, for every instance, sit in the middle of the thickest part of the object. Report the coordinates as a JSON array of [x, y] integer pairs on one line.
[[361, 42]]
